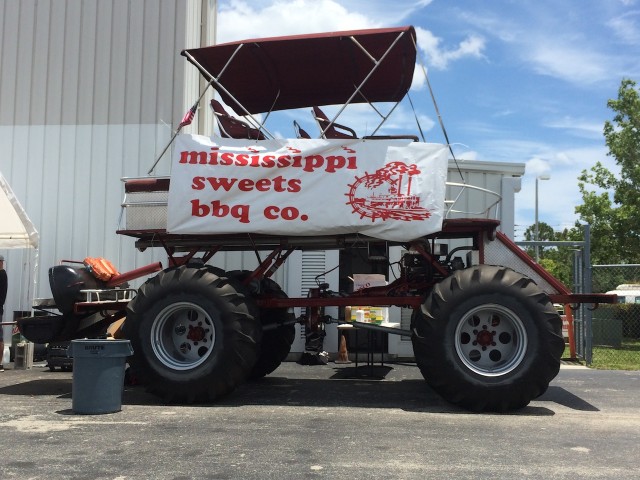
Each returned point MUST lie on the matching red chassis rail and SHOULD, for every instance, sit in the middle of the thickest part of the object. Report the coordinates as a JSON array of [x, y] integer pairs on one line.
[[398, 293], [406, 301]]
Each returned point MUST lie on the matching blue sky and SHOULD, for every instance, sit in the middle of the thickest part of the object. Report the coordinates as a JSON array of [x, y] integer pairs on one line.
[[515, 81]]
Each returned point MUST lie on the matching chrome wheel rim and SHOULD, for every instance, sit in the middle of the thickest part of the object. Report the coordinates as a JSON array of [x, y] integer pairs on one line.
[[491, 340], [183, 335]]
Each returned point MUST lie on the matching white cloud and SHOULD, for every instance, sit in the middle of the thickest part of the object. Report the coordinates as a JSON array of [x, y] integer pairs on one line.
[[552, 40], [563, 158], [626, 27], [577, 127], [382, 13], [496, 26], [558, 196], [570, 62], [537, 167], [463, 153], [239, 20], [499, 148], [439, 57], [419, 78], [503, 113]]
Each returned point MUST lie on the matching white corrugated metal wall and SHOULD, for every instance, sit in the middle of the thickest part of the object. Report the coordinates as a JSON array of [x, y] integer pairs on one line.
[[89, 92]]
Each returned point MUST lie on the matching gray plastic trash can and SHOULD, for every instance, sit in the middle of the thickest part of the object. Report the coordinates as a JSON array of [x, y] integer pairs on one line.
[[98, 375]]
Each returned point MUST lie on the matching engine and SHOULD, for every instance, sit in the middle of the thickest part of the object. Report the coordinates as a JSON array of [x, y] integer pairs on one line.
[[67, 281]]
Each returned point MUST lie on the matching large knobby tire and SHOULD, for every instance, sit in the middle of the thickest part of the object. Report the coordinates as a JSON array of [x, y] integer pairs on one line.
[[276, 342], [193, 335], [488, 339]]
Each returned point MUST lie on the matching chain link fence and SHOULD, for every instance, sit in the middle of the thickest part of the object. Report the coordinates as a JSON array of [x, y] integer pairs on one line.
[[616, 328]]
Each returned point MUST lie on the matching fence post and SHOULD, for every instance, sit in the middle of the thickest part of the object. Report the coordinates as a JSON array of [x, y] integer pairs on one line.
[[588, 314], [578, 313]]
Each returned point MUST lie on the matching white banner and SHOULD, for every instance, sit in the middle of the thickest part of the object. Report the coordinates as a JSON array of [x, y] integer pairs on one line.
[[387, 189]]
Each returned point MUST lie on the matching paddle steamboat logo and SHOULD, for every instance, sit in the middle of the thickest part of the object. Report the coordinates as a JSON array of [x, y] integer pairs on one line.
[[386, 194]]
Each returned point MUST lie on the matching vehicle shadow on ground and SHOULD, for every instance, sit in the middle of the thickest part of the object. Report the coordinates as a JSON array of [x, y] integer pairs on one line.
[[412, 395], [58, 387], [361, 387], [567, 399], [362, 392]]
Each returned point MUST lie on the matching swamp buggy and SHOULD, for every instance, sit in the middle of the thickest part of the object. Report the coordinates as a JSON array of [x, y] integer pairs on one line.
[[485, 333]]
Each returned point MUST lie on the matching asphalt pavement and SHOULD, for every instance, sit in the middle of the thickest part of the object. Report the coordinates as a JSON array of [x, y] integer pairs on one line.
[[331, 421]]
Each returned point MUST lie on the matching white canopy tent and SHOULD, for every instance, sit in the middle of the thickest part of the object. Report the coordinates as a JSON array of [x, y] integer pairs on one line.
[[16, 231]]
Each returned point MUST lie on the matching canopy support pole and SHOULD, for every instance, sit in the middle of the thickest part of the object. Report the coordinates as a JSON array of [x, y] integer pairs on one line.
[[218, 86], [435, 106], [366, 79], [175, 134]]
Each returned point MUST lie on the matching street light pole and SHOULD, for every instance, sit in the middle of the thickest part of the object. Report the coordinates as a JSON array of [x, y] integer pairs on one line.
[[537, 233]]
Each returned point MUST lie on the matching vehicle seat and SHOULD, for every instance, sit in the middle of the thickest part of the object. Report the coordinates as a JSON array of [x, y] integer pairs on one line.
[[334, 131], [231, 127]]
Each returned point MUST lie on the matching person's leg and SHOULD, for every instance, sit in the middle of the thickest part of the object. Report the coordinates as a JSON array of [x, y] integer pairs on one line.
[[1, 347]]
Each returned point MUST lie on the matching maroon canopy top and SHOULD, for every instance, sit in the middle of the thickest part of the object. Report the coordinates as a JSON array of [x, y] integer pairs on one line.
[[318, 69]]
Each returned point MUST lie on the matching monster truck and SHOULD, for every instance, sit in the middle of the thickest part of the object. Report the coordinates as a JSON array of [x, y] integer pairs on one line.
[[485, 333]]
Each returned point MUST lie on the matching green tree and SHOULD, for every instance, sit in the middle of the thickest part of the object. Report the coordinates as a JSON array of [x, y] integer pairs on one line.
[[612, 208], [557, 260]]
